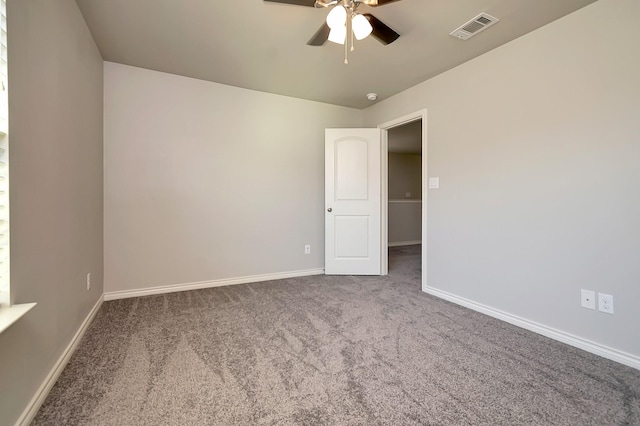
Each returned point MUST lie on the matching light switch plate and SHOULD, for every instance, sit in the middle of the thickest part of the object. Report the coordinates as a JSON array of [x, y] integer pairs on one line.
[[434, 183]]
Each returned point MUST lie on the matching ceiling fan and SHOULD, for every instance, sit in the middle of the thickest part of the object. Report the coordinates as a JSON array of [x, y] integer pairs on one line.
[[344, 20]]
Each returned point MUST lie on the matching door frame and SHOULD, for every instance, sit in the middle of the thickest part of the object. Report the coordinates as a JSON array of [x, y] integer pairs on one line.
[[384, 199]]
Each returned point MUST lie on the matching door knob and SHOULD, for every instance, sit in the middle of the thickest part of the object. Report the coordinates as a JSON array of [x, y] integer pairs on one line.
[[329, 209]]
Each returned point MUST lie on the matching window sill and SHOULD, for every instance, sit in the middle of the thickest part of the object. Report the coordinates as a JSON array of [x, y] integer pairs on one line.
[[12, 314]]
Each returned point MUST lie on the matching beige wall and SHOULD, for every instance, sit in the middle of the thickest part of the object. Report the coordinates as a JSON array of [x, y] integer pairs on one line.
[[55, 125], [405, 175], [536, 146], [206, 182], [405, 222]]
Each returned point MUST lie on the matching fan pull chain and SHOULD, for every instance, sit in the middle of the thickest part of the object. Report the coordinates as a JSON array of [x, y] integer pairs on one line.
[[346, 43], [351, 26], [346, 53], [349, 6]]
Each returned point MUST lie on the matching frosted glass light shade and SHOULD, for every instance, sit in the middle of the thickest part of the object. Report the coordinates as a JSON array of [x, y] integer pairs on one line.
[[338, 34], [337, 17], [361, 27]]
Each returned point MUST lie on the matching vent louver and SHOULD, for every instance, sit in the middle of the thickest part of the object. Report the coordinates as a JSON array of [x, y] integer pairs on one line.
[[474, 26]]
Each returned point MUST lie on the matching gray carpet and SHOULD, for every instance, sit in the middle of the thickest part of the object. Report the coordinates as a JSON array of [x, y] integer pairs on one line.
[[329, 350]]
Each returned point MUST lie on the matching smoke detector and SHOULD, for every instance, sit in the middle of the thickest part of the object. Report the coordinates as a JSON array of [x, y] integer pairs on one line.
[[474, 26], [372, 96]]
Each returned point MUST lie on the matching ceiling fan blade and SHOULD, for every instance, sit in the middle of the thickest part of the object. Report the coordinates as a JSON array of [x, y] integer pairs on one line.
[[321, 36], [310, 3], [376, 3], [383, 33], [325, 3]]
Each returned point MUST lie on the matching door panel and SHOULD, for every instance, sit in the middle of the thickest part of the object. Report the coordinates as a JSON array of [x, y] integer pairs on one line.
[[352, 237], [352, 169], [352, 201]]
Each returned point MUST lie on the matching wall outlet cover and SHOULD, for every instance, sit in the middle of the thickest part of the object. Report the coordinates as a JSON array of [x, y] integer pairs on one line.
[[605, 303], [588, 299]]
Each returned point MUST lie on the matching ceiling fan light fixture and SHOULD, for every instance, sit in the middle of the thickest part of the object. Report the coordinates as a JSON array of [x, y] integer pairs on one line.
[[337, 17], [338, 34], [361, 27]]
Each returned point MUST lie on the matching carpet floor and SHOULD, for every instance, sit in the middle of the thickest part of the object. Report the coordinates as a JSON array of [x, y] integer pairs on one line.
[[328, 350]]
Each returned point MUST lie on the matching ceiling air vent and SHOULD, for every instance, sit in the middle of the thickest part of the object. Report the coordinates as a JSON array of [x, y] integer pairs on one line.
[[474, 26]]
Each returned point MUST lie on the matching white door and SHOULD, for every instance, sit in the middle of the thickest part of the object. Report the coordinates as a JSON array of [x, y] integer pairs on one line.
[[352, 201]]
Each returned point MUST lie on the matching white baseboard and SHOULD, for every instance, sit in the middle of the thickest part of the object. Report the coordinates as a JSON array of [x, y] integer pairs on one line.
[[404, 243], [561, 336], [124, 294], [36, 402]]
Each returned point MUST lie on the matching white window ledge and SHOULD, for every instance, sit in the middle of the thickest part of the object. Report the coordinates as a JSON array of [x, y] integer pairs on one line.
[[12, 314]]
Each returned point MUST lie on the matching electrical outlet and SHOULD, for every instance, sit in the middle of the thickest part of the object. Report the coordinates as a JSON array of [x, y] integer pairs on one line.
[[89, 281], [588, 299], [307, 249], [605, 303]]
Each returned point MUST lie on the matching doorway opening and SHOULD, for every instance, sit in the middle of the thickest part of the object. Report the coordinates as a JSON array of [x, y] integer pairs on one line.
[[404, 183], [404, 201]]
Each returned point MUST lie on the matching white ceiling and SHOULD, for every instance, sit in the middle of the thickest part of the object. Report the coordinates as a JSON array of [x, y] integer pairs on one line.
[[262, 45]]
